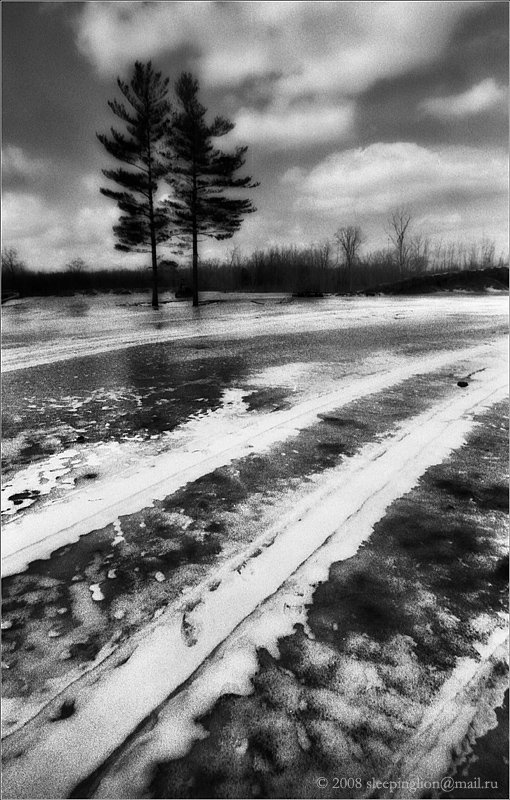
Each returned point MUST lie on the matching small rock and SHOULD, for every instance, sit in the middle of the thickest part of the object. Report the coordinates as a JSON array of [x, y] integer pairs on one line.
[[53, 634], [61, 611], [159, 577], [112, 573], [6, 625], [120, 614], [5, 665]]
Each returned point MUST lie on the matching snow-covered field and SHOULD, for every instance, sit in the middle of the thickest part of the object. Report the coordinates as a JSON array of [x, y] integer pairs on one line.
[[179, 483]]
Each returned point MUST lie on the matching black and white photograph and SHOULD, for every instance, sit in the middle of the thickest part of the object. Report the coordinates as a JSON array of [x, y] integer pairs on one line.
[[255, 384]]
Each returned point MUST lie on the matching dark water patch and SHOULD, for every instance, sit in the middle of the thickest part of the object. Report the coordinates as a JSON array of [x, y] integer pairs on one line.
[[342, 422], [27, 494], [86, 650], [137, 391], [501, 570], [66, 710], [270, 399], [493, 496]]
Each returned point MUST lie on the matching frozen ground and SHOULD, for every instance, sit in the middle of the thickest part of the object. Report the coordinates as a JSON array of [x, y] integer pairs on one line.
[[49, 330], [179, 485]]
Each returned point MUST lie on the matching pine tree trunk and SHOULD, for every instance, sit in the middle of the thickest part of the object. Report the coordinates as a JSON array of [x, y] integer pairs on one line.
[[195, 237], [155, 299], [195, 265]]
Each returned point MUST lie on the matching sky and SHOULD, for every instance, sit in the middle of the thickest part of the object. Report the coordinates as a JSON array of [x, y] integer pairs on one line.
[[349, 110]]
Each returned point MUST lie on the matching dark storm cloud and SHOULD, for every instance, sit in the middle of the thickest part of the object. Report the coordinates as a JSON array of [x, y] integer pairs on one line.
[[51, 97], [325, 95]]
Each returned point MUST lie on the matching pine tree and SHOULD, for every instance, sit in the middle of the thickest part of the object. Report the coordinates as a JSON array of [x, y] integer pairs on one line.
[[200, 175], [142, 224]]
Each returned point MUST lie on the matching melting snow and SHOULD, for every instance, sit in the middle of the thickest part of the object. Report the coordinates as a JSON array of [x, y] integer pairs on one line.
[[27, 485], [329, 530], [204, 443]]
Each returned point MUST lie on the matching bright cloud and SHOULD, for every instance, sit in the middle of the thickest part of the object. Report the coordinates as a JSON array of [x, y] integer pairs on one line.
[[382, 175], [300, 47], [481, 97], [454, 192], [18, 164], [303, 124], [48, 236]]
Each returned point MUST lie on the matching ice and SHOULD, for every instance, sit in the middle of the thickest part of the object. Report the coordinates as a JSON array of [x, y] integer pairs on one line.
[[204, 443], [247, 602], [35, 481], [109, 326]]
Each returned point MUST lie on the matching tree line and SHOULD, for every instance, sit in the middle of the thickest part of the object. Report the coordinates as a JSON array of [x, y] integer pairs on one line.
[[319, 267], [174, 145]]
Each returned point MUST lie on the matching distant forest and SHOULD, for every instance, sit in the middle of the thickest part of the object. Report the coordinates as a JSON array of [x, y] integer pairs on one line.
[[315, 268]]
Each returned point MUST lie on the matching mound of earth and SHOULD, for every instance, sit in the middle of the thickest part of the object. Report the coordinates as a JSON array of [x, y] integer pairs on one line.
[[468, 280]]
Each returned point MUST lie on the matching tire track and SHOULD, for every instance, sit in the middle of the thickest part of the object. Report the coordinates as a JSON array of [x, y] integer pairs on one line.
[[49, 760], [39, 533]]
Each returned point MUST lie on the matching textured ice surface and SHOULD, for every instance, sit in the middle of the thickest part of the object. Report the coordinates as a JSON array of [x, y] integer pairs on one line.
[[84, 326], [178, 645], [202, 444]]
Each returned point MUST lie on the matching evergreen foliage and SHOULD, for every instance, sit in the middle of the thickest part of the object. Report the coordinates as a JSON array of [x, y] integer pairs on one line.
[[200, 175], [143, 223]]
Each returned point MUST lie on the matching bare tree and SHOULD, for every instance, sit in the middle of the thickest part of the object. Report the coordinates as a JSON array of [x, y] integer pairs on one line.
[[349, 239], [488, 253], [76, 266], [398, 226], [419, 251], [13, 268]]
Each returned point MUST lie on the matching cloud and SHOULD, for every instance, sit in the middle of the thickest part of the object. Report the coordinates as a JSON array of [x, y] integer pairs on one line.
[[481, 97], [301, 47], [17, 164], [453, 191], [305, 123], [48, 236], [376, 178]]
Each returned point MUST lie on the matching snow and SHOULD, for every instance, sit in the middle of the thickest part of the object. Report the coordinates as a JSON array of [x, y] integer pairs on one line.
[[204, 443], [428, 754], [81, 326], [245, 611], [36, 480]]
